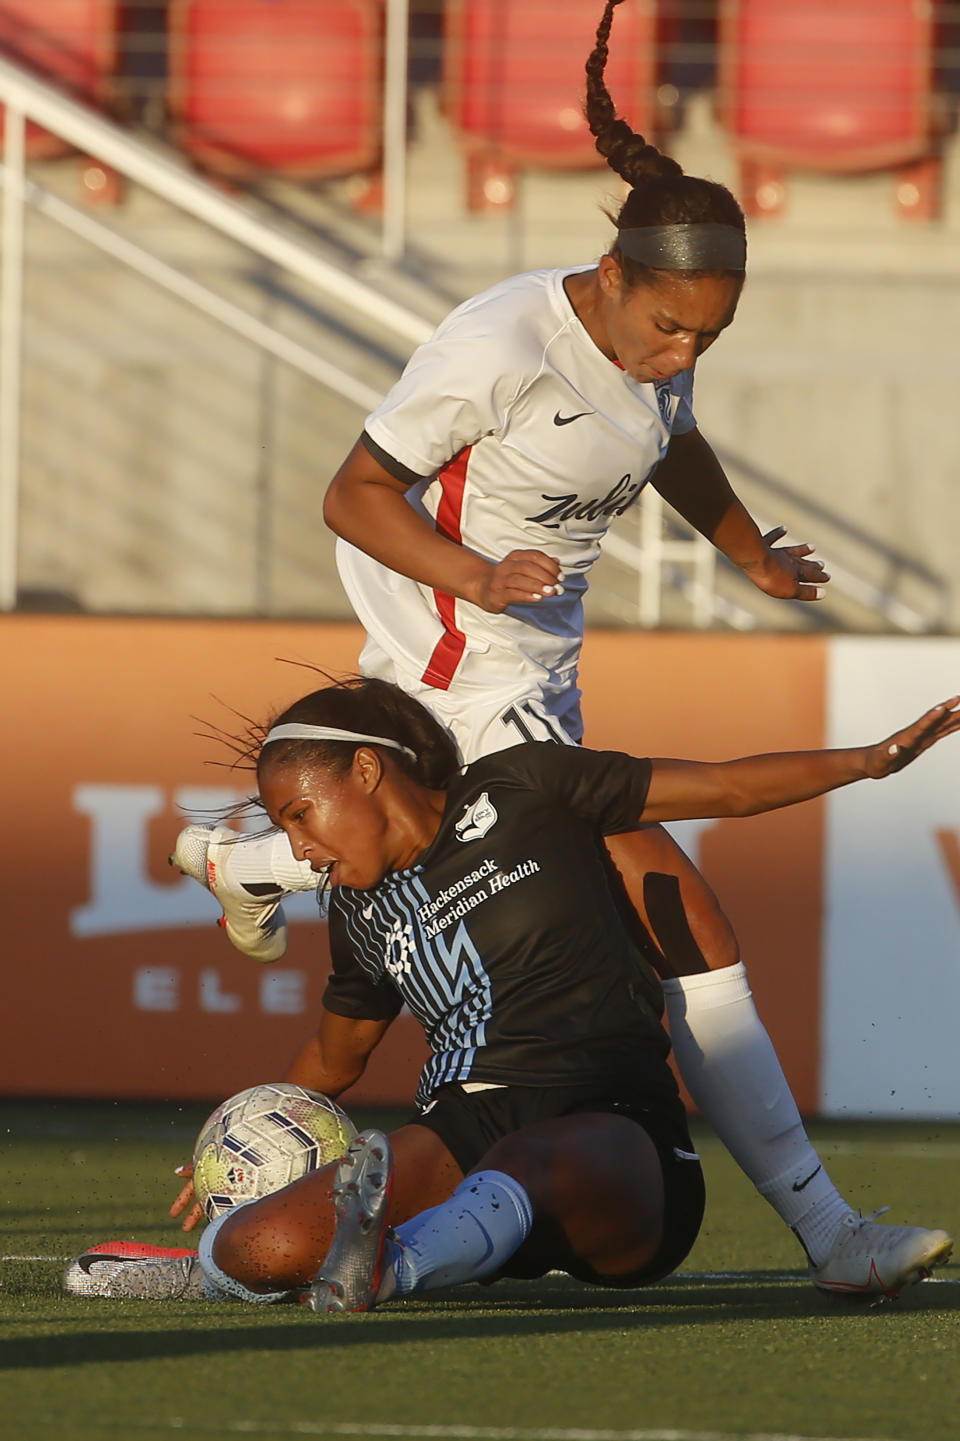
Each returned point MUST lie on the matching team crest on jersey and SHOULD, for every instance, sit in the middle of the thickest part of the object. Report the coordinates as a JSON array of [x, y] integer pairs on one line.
[[665, 399], [477, 819], [399, 950]]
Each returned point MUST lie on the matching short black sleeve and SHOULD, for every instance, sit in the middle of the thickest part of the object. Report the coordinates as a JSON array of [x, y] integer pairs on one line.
[[608, 789], [350, 991]]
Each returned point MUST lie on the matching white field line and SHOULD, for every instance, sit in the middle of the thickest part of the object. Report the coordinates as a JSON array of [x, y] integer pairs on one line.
[[471, 1433], [36, 1258]]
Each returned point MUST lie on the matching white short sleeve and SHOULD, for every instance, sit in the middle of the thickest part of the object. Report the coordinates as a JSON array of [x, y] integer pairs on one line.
[[456, 389]]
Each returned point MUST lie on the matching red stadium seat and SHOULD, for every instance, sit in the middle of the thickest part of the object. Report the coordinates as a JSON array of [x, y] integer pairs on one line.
[[830, 85], [289, 86], [514, 84], [72, 44]]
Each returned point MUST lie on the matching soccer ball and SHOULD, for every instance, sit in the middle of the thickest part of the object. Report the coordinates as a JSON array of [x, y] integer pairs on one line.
[[262, 1139]]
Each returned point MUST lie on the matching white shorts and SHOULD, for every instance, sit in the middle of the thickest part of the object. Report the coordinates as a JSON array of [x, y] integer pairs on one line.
[[489, 718]]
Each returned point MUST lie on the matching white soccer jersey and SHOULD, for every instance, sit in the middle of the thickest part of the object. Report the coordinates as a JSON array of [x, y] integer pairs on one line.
[[518, 433]]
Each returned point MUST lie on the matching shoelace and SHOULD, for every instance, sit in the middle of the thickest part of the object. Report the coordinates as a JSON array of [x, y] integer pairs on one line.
[[859, 1220]]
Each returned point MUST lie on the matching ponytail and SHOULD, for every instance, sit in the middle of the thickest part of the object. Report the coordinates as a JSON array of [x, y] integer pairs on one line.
[[625, 152], [660, 193]]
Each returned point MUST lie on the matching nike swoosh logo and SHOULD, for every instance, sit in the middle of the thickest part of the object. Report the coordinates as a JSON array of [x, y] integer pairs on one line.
[[85, 1262], [478, 1261], [559, 419], [799, 1185]]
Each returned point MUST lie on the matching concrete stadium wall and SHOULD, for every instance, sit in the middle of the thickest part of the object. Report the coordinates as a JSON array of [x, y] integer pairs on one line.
[[119, 984], [834, 389]]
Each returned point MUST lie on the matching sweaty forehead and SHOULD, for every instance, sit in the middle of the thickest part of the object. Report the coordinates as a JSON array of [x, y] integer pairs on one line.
[[283, 775], [702, 303]]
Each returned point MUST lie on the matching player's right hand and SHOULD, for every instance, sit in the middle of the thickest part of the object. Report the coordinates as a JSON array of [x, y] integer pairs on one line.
[[522, 577], [185, 1196]]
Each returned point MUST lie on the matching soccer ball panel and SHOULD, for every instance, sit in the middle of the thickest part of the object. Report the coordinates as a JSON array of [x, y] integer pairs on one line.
[[262, 1139]]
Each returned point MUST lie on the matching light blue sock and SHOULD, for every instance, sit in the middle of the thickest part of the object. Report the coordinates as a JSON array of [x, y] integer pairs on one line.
[[470, 1236]]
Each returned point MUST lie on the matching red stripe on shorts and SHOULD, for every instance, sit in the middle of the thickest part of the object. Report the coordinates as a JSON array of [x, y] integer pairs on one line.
[[448, 651]]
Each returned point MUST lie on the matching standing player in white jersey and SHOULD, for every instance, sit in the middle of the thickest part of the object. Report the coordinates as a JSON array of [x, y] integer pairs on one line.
[[509, 428], [470, 513]]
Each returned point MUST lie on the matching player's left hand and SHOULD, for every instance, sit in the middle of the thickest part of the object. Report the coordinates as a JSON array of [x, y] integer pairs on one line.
[[898, 750], [184, 1197], [787, 572]]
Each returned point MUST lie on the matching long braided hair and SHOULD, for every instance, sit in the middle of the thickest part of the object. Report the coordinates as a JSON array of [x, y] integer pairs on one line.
[[660, 193]]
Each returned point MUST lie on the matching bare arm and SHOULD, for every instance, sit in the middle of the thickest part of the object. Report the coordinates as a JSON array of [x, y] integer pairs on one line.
[[365, 505], [337, 1054], [691, 480], [683, 790]]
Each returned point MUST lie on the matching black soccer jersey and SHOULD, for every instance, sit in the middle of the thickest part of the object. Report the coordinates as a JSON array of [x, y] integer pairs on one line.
[[505, 939]]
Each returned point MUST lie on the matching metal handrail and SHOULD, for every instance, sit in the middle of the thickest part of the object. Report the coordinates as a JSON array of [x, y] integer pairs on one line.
[[267, 337], [24, 97], [94, 135], [708, 604], [863, 592], [655, 555]]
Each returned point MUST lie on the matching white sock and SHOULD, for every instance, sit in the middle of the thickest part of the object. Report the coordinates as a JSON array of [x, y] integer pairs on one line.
[[464, 1239], [732, 1072], [269, 858]]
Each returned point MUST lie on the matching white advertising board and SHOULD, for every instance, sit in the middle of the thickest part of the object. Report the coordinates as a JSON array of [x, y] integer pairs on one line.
[[891, 957]]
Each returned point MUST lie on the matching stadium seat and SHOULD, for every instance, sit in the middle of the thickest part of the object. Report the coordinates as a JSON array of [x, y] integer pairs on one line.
[[284, 86], [72, 44], [832, 86], [514, 84]]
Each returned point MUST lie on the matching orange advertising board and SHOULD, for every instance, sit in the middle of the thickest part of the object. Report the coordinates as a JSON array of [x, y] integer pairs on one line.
[[119, 984], [713, 697]]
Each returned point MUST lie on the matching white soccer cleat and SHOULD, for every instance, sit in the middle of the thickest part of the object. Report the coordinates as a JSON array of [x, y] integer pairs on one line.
[[350, 1276], [252, 914], [128, 1270], [872, 1260]]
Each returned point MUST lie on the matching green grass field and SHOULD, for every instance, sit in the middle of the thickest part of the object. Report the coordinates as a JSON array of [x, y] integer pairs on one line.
[[737, 1345]]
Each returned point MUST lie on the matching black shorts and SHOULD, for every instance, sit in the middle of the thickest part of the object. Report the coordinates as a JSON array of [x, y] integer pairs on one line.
[[469, 1123]]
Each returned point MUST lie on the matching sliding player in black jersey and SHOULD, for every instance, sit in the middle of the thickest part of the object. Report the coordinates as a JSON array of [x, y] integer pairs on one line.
[[482, 898]]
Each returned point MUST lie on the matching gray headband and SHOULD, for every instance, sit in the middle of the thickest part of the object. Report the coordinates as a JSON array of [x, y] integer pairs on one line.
[[330, 733], [704, 246]]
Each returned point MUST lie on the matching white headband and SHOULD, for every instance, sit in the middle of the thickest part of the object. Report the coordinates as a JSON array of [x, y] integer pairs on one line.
[[330, 733]]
